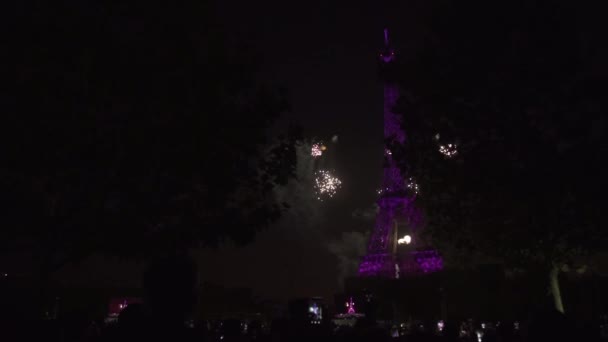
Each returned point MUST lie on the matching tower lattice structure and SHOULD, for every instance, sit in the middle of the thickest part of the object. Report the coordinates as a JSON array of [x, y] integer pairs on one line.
[[397, 211]]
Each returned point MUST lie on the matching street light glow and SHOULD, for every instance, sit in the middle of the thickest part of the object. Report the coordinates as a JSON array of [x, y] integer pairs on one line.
[[405, 240]]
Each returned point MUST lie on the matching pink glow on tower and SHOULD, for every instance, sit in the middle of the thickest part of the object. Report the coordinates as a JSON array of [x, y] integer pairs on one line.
[[396, 202], [350, 305], [116, 305]]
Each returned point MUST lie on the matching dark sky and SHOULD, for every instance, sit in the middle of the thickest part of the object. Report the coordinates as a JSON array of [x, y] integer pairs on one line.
[[324, 53]]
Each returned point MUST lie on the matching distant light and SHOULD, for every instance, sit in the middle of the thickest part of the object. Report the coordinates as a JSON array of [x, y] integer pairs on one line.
[[334, 139], [351, 307], [440, 325], [395, 333], [405, 240]]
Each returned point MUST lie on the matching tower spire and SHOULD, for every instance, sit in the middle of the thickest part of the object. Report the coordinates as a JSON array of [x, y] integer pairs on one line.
[[386, 37]]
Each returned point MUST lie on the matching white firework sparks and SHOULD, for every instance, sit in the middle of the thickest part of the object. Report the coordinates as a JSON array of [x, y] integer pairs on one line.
[[326, 184], [413, 186], [448, 150], [381, 191]]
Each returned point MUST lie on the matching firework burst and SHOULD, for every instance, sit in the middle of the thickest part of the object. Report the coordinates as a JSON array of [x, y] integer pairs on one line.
[[448, 150], [317, 149], [326, 184], [413, 186]]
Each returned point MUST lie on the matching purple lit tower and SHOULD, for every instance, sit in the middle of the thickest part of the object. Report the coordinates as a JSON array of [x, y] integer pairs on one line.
[[393, 250]]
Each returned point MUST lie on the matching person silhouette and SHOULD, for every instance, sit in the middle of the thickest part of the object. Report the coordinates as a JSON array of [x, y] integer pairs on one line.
[[550, 325], [169, 286], [131, 322]]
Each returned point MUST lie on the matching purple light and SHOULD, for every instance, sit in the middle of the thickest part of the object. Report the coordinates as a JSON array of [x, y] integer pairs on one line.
[[388, 55], [374, 265], [386, 37], [350, 305], [428, 261], [392, 122], [396, 202]]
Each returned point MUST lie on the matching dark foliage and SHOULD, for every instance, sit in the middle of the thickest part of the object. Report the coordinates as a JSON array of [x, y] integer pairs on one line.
[[516, 86], [134, 128]]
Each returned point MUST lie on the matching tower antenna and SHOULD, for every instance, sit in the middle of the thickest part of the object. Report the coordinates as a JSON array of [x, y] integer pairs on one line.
[[386, 37]]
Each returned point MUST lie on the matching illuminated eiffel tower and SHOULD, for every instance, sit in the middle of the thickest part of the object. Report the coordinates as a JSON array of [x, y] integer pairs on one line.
[[398, 219]]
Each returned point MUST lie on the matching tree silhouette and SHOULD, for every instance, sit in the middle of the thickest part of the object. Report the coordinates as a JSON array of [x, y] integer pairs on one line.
[[135, 129], [512, 86]]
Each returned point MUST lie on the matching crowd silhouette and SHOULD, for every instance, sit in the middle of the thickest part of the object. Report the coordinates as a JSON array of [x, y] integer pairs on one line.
[[170, 297]]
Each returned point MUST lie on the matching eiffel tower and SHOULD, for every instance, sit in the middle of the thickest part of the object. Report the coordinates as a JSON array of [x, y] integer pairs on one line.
[[393, 249]]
